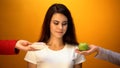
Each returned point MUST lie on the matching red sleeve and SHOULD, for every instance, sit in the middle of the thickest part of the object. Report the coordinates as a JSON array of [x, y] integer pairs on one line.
[[7, 47]]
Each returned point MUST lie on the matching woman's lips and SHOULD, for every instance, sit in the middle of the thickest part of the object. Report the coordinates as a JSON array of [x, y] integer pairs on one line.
[[59, 32]]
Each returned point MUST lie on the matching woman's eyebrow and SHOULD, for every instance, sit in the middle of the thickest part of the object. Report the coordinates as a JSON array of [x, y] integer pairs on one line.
[[65, 21], [55, 20], [58, 21]]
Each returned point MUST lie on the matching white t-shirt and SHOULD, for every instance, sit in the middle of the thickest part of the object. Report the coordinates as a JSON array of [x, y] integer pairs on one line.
[[47, 58]]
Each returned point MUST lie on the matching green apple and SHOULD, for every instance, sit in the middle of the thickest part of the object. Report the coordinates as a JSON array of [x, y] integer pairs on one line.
[[83, 46]]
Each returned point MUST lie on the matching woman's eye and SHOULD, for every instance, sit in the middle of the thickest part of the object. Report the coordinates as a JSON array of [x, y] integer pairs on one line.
[[65, 23], [55, 22]]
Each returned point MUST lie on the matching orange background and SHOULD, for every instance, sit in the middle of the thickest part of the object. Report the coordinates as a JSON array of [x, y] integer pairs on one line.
[[96, 21]]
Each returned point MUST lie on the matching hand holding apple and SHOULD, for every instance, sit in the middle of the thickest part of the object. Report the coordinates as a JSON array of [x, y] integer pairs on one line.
[[83, 46]]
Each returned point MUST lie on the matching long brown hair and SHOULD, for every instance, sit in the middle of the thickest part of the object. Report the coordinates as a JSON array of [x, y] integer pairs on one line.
[[70, 36]]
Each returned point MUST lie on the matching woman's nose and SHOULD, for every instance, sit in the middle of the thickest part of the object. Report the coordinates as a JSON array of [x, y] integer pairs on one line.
[[60, 26]]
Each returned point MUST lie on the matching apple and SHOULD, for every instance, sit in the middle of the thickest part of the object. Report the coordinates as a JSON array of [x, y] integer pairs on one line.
[[83, 46]]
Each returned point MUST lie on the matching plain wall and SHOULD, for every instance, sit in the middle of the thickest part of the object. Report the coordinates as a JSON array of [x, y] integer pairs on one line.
[[96, 22]]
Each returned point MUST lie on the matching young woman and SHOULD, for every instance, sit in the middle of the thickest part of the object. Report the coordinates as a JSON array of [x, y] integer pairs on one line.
[[58, 37]]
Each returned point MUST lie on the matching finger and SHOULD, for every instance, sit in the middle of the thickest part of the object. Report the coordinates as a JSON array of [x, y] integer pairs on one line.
[[77, 51], [27, 43], [32, 49]]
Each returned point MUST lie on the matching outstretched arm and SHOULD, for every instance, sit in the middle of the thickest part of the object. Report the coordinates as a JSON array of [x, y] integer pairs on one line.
[[10, 47], [103, 54]]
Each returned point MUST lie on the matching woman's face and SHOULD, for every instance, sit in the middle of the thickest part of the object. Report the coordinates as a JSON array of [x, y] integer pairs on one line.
[[58, 25]]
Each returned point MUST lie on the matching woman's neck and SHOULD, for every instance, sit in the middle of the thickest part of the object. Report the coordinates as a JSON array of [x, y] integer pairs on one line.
[[55, 44], [55, 41]]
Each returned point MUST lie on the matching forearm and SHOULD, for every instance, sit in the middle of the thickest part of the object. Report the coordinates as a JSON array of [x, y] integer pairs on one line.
[[7, 47], [109, 56]]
